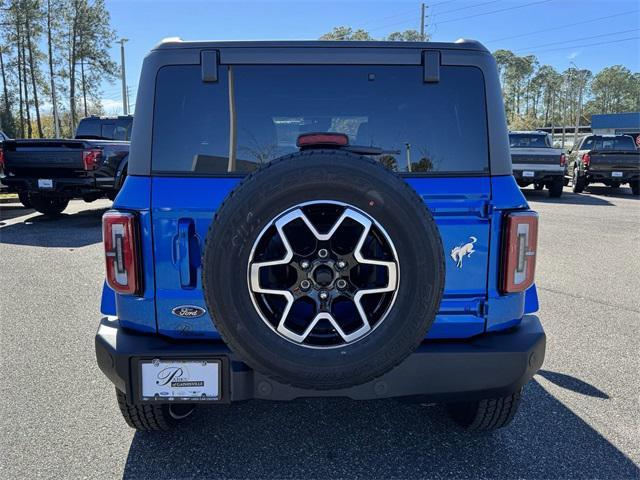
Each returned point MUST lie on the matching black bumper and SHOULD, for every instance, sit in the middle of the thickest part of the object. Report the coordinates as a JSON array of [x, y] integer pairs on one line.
[[487, 366], [70, 186], [607, 176]]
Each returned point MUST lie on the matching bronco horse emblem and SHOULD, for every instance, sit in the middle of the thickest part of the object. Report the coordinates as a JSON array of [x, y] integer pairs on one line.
[[461, 250]]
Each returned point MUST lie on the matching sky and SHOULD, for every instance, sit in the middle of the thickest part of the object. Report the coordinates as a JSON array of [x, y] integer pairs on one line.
[[592, 34]]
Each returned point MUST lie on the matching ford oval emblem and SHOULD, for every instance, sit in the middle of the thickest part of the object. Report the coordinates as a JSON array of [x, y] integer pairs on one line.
[[188, 311]]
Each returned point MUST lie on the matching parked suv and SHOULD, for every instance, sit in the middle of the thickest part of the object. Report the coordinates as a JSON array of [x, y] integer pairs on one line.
[[319, 219]]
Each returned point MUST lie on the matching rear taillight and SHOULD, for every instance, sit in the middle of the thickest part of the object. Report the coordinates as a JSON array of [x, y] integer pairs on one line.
[[91, 158], [120, 237], [563, 160], [586, 159], [1, 159], [519, 247]]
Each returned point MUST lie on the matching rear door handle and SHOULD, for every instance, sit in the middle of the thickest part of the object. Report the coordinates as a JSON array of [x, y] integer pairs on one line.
[[187, 253]]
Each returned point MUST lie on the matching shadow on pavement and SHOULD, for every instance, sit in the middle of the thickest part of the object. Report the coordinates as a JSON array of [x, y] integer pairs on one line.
[[330, 438], [622, 192], [7, 212], [567, 197], [574, 384], [66, 231]]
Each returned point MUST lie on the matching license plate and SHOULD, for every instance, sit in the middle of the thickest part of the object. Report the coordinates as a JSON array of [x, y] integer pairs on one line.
[[527, 173], [180, 379], [616, 174], [45, 183]]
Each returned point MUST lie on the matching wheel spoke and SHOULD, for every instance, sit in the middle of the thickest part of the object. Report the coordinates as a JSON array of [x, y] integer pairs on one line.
[[315, 287]]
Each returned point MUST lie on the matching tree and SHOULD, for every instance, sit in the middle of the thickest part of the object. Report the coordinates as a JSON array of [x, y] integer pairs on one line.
[[32, 25], [53, 26], [89, 38], [615, 89], [346, 33], [406, 36]]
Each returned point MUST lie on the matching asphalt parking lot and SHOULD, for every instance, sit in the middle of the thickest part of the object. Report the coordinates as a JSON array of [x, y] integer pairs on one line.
[[580, 416]]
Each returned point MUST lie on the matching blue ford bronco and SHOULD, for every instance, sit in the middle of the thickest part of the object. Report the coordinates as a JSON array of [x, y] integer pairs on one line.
[[319, 219]]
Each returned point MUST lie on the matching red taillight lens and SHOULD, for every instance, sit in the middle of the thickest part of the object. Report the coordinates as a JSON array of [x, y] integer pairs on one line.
[[120, 237], [519, 247], [586, 159], [91, 158], [1, 159], [563, 160], [320, 139]]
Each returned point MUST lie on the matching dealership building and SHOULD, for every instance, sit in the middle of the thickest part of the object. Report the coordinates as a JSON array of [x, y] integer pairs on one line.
[[617, 124]]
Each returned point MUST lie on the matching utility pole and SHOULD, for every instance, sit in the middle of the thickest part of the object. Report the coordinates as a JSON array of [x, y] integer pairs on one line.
[[423, 9], [125, 106], [128, 99]]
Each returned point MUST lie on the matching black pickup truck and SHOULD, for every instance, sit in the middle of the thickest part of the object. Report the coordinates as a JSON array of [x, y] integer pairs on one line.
[[47, 173], [610, 159]]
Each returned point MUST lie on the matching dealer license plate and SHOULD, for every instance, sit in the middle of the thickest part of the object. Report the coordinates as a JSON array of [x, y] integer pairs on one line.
[[527, 173], [45, 183], [616, 174], [180, 379]]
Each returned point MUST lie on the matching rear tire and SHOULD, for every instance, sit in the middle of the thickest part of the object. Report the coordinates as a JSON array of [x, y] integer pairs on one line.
[[635, 188], [555, 189], [50, 206], [487, 414], [24, 199], [152, 417], [357, 183], [538, 186], [578, 182]]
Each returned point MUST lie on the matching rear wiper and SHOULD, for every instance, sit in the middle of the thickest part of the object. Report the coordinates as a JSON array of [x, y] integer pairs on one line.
[[364, 150]]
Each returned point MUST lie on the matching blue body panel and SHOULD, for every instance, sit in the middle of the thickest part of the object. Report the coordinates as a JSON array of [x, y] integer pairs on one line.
[[175, 214], [139, 312]]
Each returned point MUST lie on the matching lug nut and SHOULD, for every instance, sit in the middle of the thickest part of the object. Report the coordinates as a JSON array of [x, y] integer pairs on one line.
[[305, 264], [341, 284], [323, 253], [341, 264], [323, 295], [305, 285]]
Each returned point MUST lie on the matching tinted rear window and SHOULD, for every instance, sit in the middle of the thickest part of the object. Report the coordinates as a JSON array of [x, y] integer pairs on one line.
[[524, 140], [105, 128], [420, 127], [622, 142]]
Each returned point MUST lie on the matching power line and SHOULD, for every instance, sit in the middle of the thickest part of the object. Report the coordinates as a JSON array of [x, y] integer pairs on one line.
[[562, 26], [467, 7], [587, 45], [577, 39], [407, 20], [490, 13], [396, 15], [440, 3]]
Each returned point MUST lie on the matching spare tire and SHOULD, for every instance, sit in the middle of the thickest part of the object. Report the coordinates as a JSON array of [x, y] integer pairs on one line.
[[323, 270]]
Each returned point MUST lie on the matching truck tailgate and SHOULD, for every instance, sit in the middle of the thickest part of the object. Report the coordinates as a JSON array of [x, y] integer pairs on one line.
[[534, 156], [615, 160], [38, 154]]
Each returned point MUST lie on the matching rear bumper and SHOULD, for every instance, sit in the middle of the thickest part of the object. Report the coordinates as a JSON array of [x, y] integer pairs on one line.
[[607, 176], [490, 365], [537, 175], [61, 186]]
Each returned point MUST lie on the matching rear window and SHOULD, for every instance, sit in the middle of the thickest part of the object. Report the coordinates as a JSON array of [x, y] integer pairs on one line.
[[105, 128], [623, 142], [418, 127], [524, 140]]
